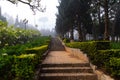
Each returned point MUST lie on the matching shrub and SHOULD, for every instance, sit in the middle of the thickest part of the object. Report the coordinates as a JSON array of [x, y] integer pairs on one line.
[[24, 66], [37, 50], [90, 48], [13, 50], [102, 45], [114, 67], [5, 66], [21, 67], [66, 40], [115, 45], [98, 45], [103, 56], [20, 48]]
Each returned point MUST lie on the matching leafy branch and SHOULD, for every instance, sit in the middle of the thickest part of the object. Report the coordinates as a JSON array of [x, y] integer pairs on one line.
[[33, 4]]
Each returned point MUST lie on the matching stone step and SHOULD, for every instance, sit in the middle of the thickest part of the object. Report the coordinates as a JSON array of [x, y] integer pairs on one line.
[[66, 65], [67, 70], [68, 76]]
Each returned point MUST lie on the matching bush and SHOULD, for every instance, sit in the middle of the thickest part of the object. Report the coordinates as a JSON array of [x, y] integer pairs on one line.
[[102, 45], [21, 67], [5, 66], [114, 67], [115, 45], [24, 66], [90, 48], [66, 40], [103, 56], [20, 48], [37, 50], [14, 50], [98, 45]]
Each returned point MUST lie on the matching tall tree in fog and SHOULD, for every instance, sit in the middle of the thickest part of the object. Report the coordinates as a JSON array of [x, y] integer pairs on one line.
[[74, 15], [117, 22]]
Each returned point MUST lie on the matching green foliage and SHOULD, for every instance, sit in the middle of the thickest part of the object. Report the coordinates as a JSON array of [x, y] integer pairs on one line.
[[114, 66], [90, 48], [98, 45], [5, 66], [24, 66], [20, 48], [9, 35], [101, 55], [102, 45], [115, 45], [66, 40], [37, 50], [21, 67], [39, 41], [13, 50]]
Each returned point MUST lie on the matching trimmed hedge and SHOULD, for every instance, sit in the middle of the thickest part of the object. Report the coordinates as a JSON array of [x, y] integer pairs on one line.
[[21, 67], [90, 48], [115, 45], [114, 67], [24, 66], [101, 55], [98, 45], [20, 48], [5, 67], [37, 50]]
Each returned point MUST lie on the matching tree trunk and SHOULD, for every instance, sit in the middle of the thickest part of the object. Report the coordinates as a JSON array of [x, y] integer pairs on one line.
[[106, 33], [99, 20], [80, 37], [72, 33], [84, 34]]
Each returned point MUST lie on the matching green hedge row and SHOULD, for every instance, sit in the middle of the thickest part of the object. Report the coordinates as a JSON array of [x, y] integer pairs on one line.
[[98, 45], [36, 50], [20, 48], [114, 67], [5, 67], [109, 60], [24, 66], [101, 54], [90, 48], [21, 67]]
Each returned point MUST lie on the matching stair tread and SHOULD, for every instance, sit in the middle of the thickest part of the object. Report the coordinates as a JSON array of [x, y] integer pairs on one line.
[[48, 68], [67, 74], [66, 65]]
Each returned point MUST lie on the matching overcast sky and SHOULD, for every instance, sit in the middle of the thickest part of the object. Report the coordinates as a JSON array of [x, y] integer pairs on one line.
[[43, 20]]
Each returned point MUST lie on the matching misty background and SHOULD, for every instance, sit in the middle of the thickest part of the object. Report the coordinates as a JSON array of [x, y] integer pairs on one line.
[[44, 22]]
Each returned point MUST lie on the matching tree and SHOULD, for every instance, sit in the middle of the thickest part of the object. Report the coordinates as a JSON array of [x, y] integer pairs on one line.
[[106, 33], [117, 22], [73, 14], [34, 4], [62, 26]]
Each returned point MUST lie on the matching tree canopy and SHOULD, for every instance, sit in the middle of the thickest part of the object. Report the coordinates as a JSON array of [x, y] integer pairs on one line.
[[96, 17]]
